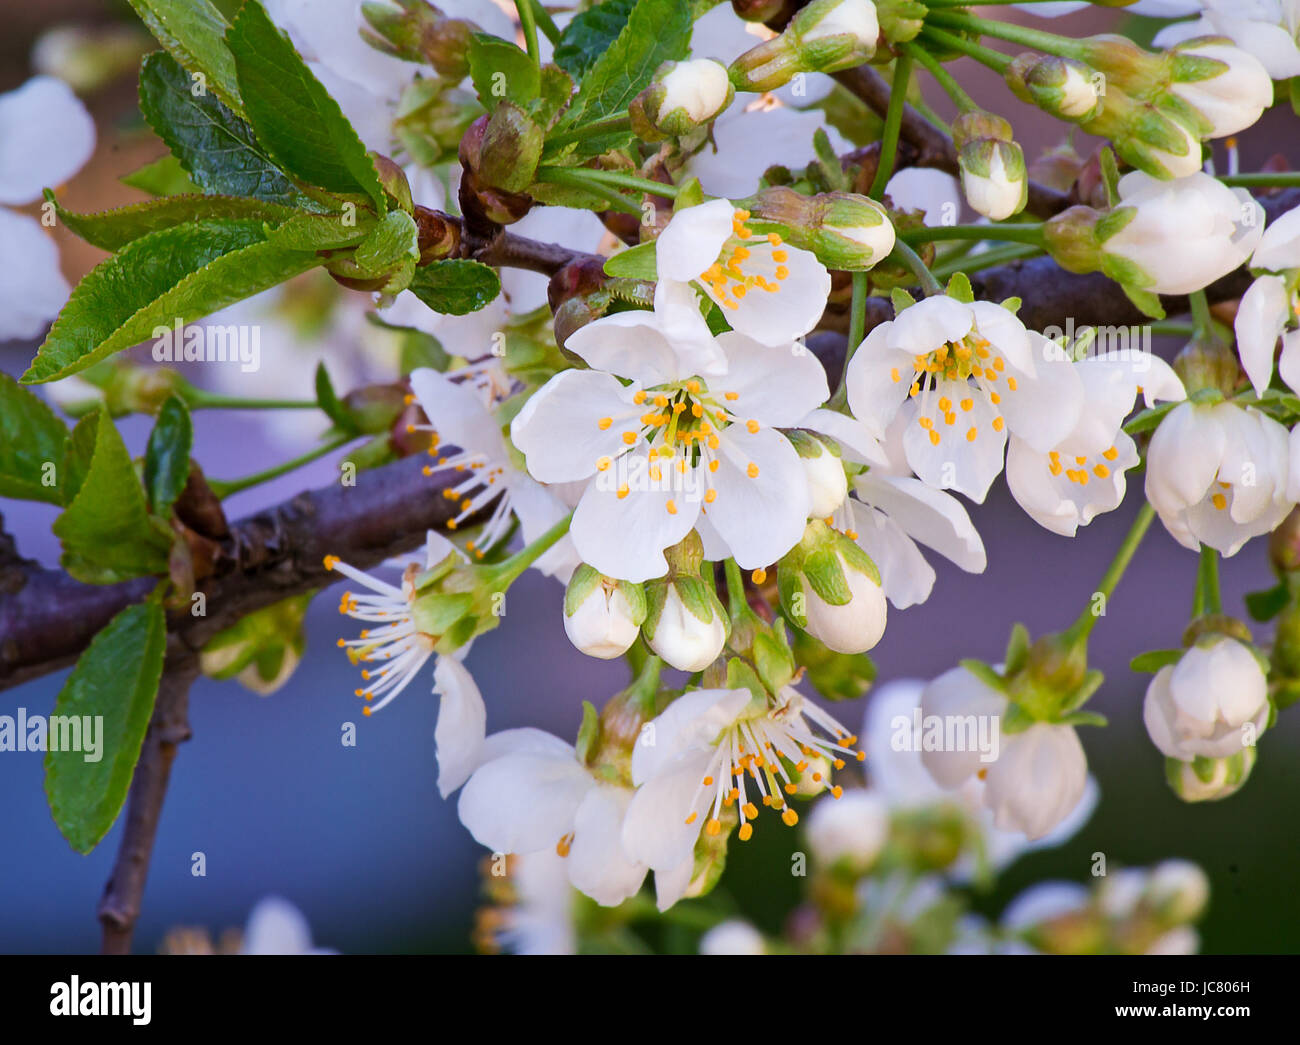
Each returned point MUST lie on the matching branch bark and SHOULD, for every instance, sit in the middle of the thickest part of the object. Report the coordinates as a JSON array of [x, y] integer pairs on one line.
[[120, 906]]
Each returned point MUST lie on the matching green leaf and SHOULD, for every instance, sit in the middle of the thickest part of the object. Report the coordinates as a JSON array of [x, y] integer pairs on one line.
[[80, 450], [163, 177], [392, 241], [456, 287], [590, 34], [167, 458], [322, 231], [293, 115], [1267, 604], [214, 145], [656, 31], [1153, 660], [33, 442], [182, 273], [113, 229], [112, 689], [634, 263], [194, 33], [500, 70], [327, 399], [106, 531]]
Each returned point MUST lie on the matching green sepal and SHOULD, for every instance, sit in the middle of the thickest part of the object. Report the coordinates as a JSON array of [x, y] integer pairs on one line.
[[1153, 660], [584, 581], [588, 733]]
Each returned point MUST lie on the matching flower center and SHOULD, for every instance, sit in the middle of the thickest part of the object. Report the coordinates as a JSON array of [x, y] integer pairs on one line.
[[957, 363], [746, 263]]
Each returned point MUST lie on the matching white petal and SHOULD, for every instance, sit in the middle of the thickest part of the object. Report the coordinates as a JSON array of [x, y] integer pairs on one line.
[[655, 831], [524, 802], [879, 377], [46, 136], [629, 344], [776, 384], [597, 863], [956, 459], [693, 720], [692, 240], [457, 413], [560, 429], [905, 577], [763, 516], [462, 722], [33, 289], [1261, 318], [930, 516], [856, 442]]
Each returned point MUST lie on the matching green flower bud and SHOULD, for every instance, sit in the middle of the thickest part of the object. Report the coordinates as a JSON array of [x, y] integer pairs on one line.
[[830, 587], [602, 616], [1210, 779], [684, 622], [1067, 89], [825, 36], [993, 174], [417, 31], [844, 230], [683, 97], [511, 146]]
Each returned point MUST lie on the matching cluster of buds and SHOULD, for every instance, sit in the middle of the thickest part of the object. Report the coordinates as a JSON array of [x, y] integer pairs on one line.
[[845, 230], [831, 589], [1160, 107], [825, 36], [416, 31], [682, 98], [1064, 87], [993, 174]]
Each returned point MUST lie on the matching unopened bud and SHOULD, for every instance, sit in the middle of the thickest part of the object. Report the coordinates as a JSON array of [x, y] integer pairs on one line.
[[993, 174], [416, 31], [850, 832], [1066, 88], [602, 616], [823, 467], [1209, 779], [845, 230], [830, 587], [682, 98], [825, 36]]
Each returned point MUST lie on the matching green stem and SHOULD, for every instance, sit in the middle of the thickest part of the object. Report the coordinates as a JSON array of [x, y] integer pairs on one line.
[[1022, 232], [914, 261], [1172, 328], [1049, 43], [616, 122], [198, 399], [893, 123], [985, 259], [1111, 578], [963, 101], [545, 22], [225, 487], [857, 325], [1202, 321], [570, 178], [1207, 583], [528, 23], [513, 567], [644, 688], [1263, 179], [995, 60]]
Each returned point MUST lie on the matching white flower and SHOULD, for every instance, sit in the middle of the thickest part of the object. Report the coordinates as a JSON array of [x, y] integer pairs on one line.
[[402, 650], [460, 414], [894, 747], [1267, 29], [962, 374], [1038, 776], [46, 135], [733, 937], [1270, 307], [853, 830], [276, 926], [690, 764], [681, 638], [768, 290], [1183, 234], [672, 445], [538, 915], [1211, 704], [531, 794], [1217, 474], [1084, 475]]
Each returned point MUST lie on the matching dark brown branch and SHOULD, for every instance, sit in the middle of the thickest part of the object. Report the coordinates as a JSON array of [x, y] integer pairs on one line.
[[934, 148], [47, 618], [120, 906]]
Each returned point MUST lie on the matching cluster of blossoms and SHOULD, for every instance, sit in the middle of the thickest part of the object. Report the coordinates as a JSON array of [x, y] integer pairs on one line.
[[657, 425], [689, 433]]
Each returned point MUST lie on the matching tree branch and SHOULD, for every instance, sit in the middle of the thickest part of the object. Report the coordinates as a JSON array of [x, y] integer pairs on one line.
[[120, 906]]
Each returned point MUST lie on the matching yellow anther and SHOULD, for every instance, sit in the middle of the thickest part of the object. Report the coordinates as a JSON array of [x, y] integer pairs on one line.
[[758, 576], [605, 423]]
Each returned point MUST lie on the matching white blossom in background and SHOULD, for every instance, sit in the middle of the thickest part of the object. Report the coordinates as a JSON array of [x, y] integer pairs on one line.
[[1270, 308], [1268, 29], [275, 926], [540, 919], [46, 136], [1218, 474], [733, 937], [1210, 704]]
